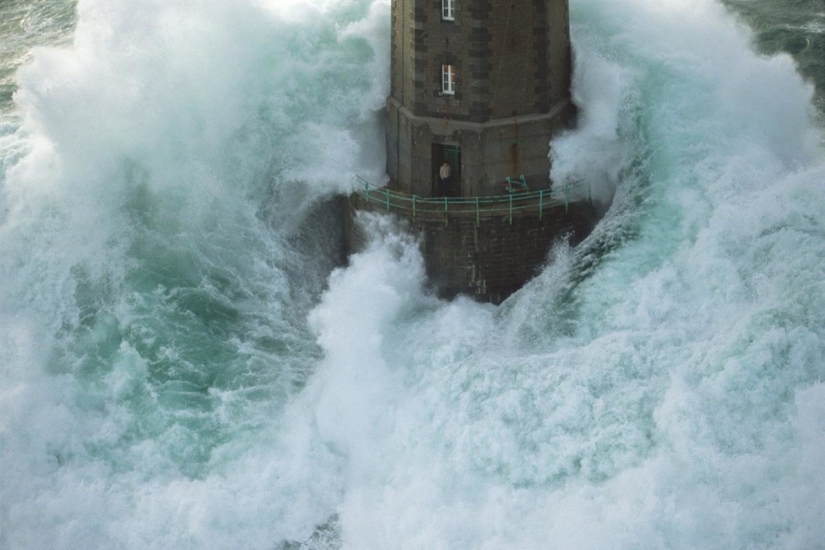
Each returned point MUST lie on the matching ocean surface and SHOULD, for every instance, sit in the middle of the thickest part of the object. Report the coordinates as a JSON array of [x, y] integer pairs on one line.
[[183, 363]]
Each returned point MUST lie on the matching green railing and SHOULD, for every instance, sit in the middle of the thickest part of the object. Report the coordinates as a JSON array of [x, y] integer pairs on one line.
[[510, 205]]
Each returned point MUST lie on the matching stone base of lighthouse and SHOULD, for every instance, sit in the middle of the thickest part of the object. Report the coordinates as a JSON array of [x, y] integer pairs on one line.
[[488, 258]]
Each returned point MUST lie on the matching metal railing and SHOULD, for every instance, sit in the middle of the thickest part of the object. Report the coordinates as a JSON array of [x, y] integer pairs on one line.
[[510, 205]]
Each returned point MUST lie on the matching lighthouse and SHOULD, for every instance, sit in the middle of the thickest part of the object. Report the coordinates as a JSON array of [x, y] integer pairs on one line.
[[478, 90], [479, 84]]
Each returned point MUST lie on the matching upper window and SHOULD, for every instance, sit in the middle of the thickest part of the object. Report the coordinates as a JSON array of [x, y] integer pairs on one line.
[[448, 79], [448, 10]]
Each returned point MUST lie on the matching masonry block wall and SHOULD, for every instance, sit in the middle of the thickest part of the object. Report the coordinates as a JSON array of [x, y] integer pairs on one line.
[[488, 260], [512, 61]]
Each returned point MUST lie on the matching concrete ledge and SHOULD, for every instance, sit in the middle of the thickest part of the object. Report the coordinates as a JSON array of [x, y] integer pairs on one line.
[[446, 125]]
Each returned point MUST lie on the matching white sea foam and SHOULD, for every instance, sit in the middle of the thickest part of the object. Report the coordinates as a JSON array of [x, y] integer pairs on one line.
[[159, 386], [151, 332], [655, 404]]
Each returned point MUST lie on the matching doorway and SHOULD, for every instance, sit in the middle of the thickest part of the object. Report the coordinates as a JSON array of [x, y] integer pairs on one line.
[[451, 155]]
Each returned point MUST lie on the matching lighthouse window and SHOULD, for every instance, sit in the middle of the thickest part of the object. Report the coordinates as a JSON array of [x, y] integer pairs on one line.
[[448, 79], [448, 10]]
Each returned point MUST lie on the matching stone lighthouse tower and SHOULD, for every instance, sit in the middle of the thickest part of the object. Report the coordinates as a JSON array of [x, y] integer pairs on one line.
[[480, 85]]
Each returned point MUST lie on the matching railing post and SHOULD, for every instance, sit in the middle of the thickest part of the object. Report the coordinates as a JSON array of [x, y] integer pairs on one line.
[[413, 208], [541, 203], [387, 192], [478, 216], [445, 211], [511, 209]]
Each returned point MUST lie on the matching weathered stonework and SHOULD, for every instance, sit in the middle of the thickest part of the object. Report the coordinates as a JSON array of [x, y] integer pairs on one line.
[[488, 260], [512, 61]]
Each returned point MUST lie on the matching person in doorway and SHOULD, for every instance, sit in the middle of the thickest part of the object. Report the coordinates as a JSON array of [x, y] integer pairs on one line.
[[444, 174]]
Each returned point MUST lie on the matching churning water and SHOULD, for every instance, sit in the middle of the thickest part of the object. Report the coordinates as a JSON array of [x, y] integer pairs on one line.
[[181, 366]]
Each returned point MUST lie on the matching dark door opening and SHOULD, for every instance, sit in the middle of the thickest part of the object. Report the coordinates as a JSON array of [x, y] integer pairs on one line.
[[451, 156]]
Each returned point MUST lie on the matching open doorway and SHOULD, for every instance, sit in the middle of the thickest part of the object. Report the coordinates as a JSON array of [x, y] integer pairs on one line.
[[451, 156]]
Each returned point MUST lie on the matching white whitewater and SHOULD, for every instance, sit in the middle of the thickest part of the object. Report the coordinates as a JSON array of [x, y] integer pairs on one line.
[[172, 376]]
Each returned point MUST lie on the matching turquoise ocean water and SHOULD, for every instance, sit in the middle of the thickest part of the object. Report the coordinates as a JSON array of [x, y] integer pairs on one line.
[[182, 364]]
